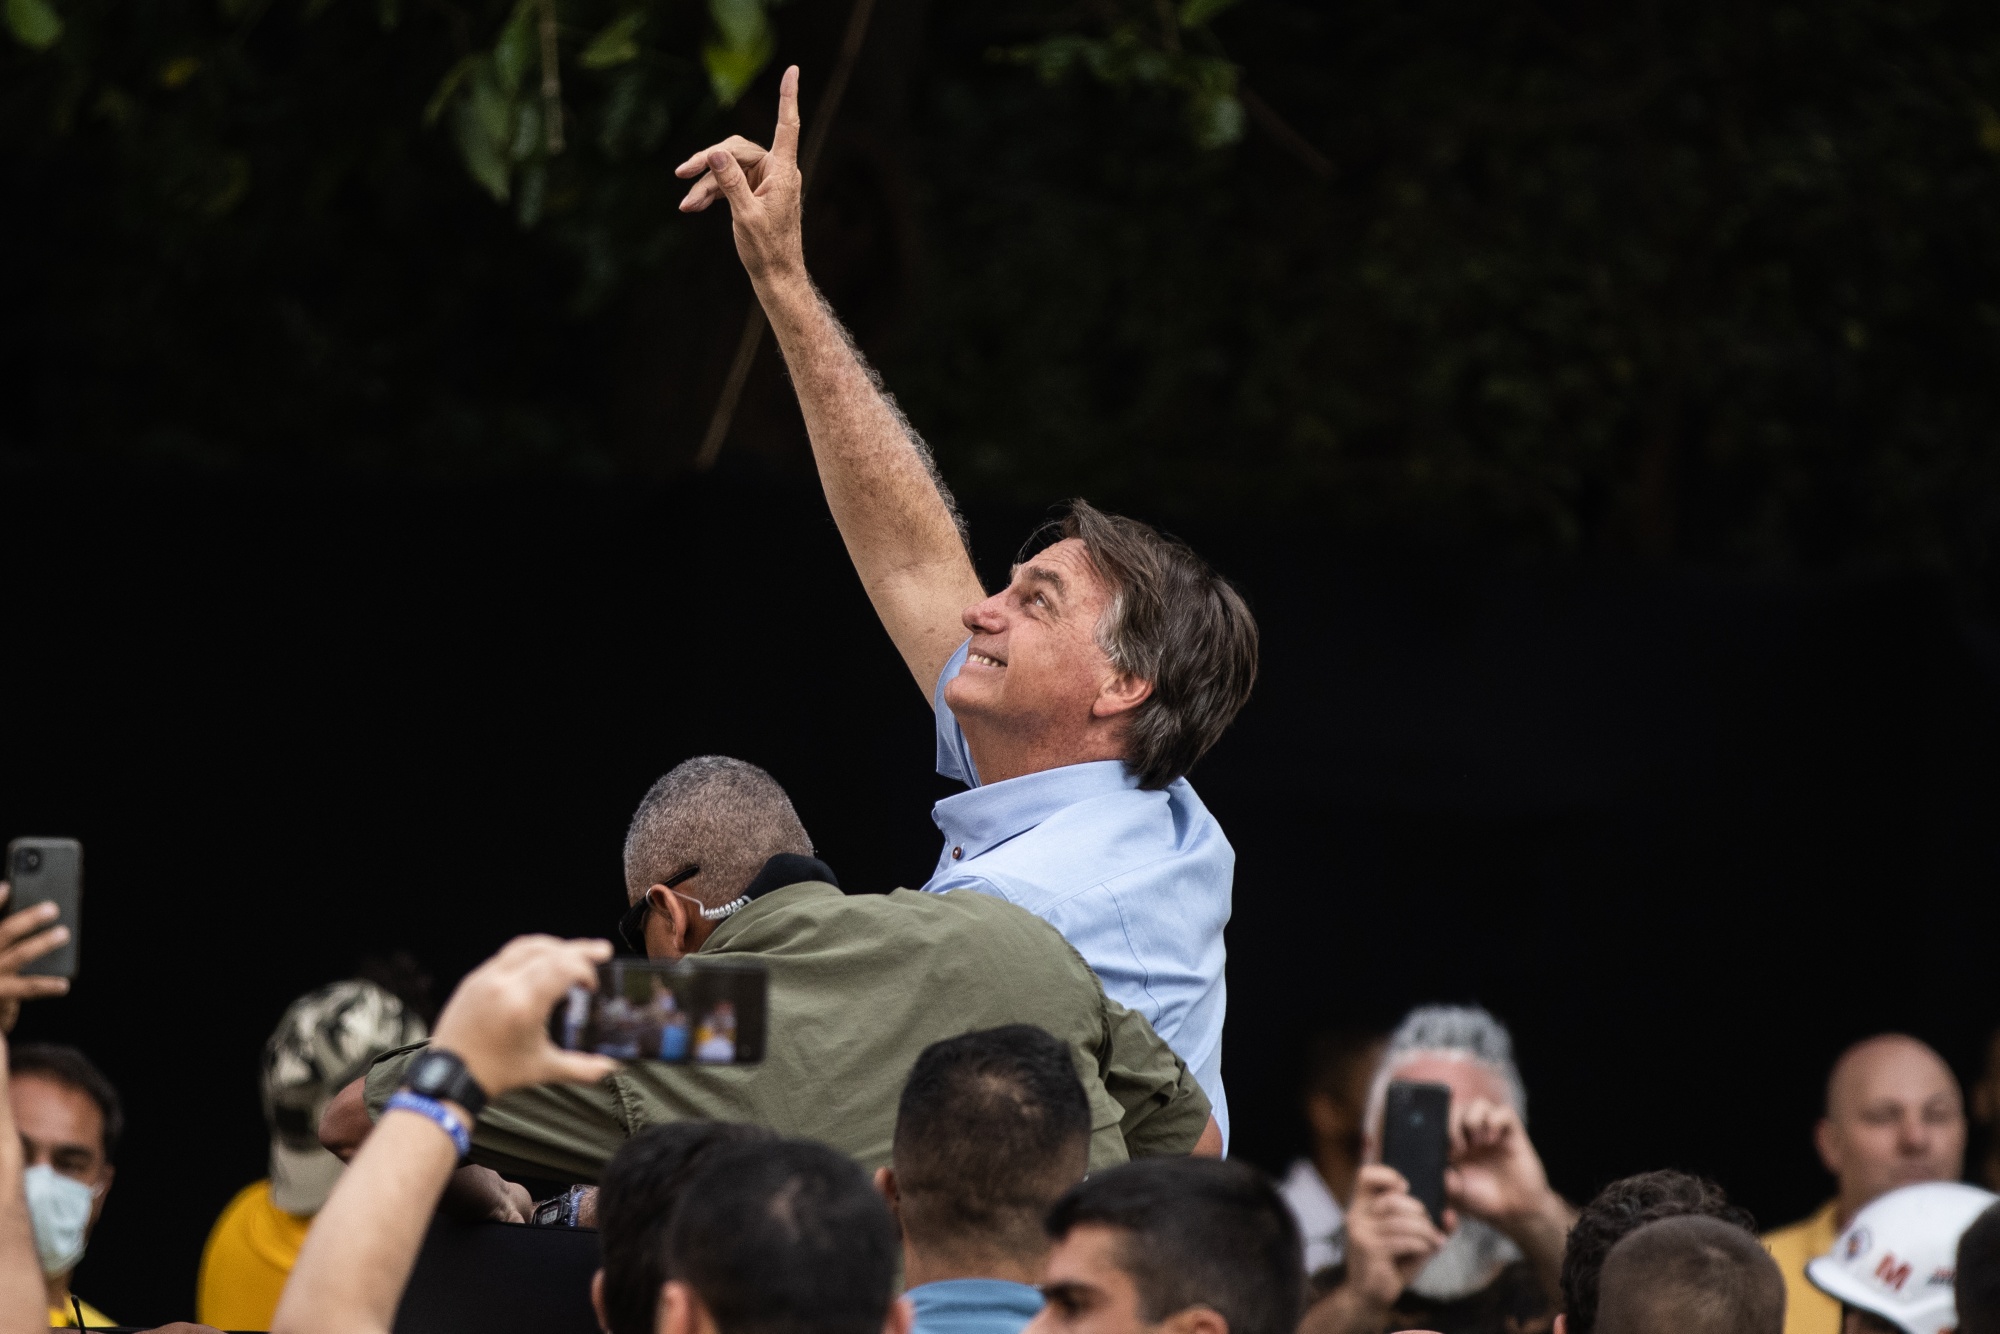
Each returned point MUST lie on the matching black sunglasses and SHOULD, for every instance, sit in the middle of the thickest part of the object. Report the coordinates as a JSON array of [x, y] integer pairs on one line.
[[632, 926]]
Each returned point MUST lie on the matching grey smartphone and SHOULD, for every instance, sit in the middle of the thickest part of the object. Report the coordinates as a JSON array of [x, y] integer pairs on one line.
[[699, 1011], [49, 870], [1416, 1121]]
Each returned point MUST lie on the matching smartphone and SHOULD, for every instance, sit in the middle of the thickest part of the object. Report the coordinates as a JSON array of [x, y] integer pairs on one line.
[[696, 1011], [48, 870], [1416, 1121]]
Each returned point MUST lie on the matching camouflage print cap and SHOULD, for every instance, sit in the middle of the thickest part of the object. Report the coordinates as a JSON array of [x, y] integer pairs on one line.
[[326, 1040]]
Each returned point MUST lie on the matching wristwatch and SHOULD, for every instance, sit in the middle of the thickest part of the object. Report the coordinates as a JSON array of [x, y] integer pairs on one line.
[[441, 1075]]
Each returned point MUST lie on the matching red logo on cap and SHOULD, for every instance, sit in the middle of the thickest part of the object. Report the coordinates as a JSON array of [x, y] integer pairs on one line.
[[1892, 1275]]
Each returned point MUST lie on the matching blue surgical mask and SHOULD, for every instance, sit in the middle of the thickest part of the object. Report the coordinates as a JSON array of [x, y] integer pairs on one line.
[[59, 1207]]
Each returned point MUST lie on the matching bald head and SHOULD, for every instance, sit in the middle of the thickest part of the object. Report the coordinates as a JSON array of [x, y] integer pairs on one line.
[[1690, 1275], [1894, 1117]]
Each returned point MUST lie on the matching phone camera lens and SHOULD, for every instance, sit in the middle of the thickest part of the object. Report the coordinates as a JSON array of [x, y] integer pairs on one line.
[[29, 859]]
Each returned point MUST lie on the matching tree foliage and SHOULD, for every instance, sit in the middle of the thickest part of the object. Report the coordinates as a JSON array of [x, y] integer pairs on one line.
[[1716, 282]]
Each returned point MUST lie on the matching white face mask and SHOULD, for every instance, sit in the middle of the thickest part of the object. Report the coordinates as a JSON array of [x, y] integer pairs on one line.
[[1472, 1257], [59, 1207]]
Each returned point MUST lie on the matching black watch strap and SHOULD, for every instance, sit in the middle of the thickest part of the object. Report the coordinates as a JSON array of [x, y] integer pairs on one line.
[[439, 1074]]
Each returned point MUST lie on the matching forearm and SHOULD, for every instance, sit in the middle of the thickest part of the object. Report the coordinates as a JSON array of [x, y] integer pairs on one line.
[[887, 500], [21, 1289], [1541, 1234], [358, 1256]]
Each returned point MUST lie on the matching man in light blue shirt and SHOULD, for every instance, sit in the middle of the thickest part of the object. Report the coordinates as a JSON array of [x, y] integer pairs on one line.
[[1074, 700], [991, 1129]]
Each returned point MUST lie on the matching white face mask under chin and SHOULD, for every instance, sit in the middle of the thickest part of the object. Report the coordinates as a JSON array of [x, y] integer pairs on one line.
[[59, 1207], [1472, 1257]]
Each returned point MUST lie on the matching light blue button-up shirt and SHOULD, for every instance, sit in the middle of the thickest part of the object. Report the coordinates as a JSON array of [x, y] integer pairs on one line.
[[1138, 882]]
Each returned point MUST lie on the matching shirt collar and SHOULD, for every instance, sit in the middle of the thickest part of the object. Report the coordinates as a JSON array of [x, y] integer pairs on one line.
[[982, 818], [985, 1293]]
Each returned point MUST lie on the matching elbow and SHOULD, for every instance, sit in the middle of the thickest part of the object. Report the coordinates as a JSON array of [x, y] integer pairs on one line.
[[1210, 1143]]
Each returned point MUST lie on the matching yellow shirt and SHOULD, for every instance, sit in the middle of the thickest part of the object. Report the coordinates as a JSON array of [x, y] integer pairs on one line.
[[248, 1257], [1807, 1309], [66, 1318]]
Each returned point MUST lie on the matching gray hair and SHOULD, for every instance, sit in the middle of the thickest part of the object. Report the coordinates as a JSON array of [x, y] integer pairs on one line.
[[726, 816], [1464, 1032]]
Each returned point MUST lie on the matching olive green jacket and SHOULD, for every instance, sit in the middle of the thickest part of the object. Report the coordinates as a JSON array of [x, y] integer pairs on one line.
[[859, 986]]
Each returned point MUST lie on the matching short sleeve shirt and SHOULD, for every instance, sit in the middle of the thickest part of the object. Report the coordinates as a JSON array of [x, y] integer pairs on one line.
[[1138, 881]]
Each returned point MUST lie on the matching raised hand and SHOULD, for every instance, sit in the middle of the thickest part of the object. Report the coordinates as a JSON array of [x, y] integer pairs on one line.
[[764, 190], [497, 1022], [24, 938], [1495, 1173]]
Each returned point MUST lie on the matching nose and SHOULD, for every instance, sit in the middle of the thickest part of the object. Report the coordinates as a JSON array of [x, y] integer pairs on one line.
[[1916, 1136], [988, 617]]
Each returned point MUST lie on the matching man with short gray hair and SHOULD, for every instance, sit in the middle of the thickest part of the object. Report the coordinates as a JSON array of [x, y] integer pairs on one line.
[[1072, 702], [860, 985], [1502, 1261]]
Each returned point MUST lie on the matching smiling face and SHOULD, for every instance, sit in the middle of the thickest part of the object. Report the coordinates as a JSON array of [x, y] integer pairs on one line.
[[1037, 688]]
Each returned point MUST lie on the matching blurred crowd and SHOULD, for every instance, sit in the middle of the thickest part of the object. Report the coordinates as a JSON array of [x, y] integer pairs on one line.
[[989, 1104]]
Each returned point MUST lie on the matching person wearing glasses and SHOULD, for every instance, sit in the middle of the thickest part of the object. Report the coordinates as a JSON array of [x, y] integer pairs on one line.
[[718, 866]]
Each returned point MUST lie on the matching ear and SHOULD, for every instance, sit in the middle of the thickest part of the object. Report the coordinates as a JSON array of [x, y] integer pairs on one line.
[[901, 1316], [1120, 694], [885, 1186], [668, 926], [1562, 1324], [597, 1301], [1829, 1148], [1195, 1320], [682, 1311]]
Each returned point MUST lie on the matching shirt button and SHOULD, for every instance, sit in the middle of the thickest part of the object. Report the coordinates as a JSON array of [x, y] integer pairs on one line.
[[957, 853]]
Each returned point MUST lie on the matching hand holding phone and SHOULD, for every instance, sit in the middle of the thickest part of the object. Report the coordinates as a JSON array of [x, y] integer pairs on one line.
[[1416, 1126], [45, 871]]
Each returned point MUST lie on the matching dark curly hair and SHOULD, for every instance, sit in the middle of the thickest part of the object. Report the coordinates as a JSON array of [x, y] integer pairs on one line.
[[1623, 1207]]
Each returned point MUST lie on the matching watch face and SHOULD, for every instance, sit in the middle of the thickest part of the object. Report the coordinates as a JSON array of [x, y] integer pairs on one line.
[[432, 1071]]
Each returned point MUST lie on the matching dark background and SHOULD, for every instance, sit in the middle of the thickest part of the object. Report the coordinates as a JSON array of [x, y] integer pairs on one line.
[[1597, 404], [1688, 835]]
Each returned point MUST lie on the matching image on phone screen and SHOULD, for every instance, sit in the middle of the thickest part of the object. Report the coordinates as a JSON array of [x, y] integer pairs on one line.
[[703, 1012]]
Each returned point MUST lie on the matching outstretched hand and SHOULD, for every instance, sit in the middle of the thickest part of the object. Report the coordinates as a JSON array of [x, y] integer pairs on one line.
[[764, 190], [25, 937], [497, 1022]]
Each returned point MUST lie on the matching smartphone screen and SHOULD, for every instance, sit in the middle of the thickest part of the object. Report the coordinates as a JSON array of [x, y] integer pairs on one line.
[[698, 1011], [48, 870], [1415, 1139]]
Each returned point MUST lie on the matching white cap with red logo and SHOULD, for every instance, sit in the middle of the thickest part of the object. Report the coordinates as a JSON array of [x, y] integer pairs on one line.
[[1898, 1257]]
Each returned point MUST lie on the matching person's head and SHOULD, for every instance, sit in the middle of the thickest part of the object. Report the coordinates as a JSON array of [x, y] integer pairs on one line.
[[1976, 1289], [635, 1202], [1893, 1117], [1469, 1051], [992, 1128], [1690, 1275], [722, 819], [1111, 641], [780, 1238], [70, 1119], [1620, 1209], [1339, 1065], [1177, 1245], [325, 1040], [1892, 1266]]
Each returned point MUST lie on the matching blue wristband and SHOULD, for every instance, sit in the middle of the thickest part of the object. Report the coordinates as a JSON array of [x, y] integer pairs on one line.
[[436, 1112]]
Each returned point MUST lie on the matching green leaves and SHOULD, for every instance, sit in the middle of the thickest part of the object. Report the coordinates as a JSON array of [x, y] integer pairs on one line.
[[1129, 59], [616, 45], [741, 49], [33, 23]]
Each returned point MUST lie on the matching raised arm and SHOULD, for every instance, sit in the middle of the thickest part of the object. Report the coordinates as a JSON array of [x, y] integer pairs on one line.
[[893, 510], [354, 1264], [23, 1305]]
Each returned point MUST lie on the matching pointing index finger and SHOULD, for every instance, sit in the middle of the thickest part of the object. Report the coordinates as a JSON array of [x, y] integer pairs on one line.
[[785, 141]]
